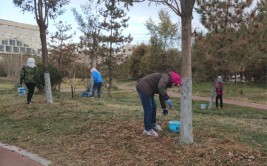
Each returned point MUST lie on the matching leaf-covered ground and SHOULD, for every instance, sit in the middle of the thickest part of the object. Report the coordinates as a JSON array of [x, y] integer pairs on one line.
[[108, 131]]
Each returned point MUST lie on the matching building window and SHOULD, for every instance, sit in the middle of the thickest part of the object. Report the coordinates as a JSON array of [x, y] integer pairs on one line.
[[29, 50], [33, 51], [5, 42], [12, 42], [1, 48], [22, 50], [19, 43], [8, 49], [26, 45], [16, 49]]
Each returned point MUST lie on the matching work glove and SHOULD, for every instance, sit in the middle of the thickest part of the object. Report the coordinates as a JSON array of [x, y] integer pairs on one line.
[[165, 112], [169, 102], [40, 84]]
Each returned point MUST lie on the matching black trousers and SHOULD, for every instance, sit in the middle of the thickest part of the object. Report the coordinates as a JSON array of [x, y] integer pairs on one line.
[[30, 87], [219, 97]]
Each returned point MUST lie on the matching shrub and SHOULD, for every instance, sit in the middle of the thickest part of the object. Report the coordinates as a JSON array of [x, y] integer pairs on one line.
[[56, 76], [2, 71]]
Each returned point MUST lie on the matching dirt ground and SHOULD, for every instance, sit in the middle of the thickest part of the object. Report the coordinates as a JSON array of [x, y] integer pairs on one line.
[[232, 102], [129, 87]]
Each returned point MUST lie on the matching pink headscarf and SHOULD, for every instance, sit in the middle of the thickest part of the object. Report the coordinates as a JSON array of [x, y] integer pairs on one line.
[[176, 78]]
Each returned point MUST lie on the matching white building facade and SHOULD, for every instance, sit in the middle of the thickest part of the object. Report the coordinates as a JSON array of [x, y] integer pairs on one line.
[[19, 38], [125, 52]]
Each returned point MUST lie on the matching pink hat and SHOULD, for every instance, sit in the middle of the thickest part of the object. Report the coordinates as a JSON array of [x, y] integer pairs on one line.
[[176, 78]]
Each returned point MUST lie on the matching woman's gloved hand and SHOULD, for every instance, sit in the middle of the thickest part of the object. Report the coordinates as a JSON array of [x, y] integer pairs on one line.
[[165, 112], [169, 102]]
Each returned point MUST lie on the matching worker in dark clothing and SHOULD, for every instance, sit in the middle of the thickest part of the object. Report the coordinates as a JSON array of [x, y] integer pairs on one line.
[[147, 87]]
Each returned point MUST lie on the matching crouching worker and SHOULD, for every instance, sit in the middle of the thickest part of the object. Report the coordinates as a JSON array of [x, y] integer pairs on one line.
[[147, 87], [96, 81]]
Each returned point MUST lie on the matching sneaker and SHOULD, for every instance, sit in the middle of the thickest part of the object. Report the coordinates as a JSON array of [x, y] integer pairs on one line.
[[157, 127], [150, 133], [28, 102]]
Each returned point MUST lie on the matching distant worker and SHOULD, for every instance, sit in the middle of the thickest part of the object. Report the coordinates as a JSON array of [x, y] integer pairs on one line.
[[147, 87], [96, 83], [30, 76], [219, 92]]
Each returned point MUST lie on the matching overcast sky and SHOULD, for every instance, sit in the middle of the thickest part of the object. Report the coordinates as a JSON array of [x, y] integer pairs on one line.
[[139, 13]]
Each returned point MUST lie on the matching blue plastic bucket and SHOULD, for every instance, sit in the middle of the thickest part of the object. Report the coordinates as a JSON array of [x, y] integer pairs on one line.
[[85, 94], [174, 126], [22, 91], [203, 106]]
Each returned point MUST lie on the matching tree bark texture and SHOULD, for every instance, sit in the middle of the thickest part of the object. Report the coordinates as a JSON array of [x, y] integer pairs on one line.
[[212, 94], [48, 88], [45, 64], [186, 95]]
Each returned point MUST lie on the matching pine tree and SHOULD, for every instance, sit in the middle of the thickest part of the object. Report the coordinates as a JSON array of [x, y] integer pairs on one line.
[[90, 25], [115, 20], [59, 39], [225, 43]]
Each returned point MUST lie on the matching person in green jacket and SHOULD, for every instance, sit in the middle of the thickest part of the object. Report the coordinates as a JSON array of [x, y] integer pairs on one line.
[[30, 76]]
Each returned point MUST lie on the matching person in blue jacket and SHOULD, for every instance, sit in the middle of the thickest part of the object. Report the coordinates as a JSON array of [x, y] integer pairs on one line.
[[96, 83]]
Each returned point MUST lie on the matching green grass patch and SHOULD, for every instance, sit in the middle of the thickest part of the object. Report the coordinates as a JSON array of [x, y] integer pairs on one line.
[[235, 91]]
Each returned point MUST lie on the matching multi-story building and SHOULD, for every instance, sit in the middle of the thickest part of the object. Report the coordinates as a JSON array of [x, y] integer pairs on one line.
[[19, 38], [125, 52]]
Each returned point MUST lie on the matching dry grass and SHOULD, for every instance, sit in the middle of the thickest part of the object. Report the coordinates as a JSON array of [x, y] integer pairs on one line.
[[108, 131]]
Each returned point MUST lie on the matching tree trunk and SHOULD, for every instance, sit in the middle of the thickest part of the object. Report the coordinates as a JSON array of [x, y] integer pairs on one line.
[[110, 70], [45, 65], [48, 88], [213, 94], [110, 65], [186, 95], [94, 59]]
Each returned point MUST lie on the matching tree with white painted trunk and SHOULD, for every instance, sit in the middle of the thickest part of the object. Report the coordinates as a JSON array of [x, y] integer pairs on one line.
[[184, 9]]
